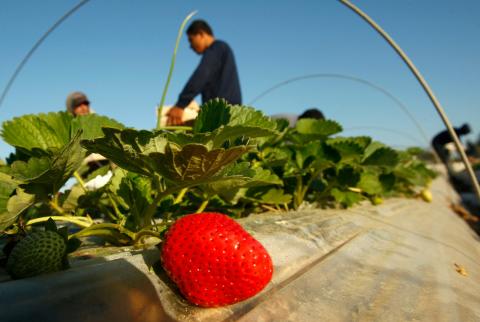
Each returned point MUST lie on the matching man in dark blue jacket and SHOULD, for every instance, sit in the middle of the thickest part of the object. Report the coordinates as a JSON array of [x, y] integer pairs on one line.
[[215, 76]]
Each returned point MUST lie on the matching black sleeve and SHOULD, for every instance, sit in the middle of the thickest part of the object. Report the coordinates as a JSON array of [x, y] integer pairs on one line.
[[208, 65]]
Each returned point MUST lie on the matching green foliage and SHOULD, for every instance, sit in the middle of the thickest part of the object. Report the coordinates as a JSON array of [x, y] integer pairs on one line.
[[129, 148], [346, 198], [194, 163], [53, 130], [229, 122], [44, 176], [16, 205], [319, 128], [233, 160]]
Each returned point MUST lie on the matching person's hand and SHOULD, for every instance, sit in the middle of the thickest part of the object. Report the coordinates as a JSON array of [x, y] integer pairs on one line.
[[175, 116]]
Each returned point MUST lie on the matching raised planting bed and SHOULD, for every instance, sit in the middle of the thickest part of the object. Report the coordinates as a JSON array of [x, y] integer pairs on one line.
[[404, 260]]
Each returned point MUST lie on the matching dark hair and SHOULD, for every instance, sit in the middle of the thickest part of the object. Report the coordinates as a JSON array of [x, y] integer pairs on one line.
[[465, 129], [198, 26], [312, 113]]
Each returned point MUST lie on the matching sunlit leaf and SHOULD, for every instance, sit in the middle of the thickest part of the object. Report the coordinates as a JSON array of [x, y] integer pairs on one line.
[[276, 196], [229, 122], [52, 130], [15, 206], [346, 198], [322, 128], [48, 174], [194, 162], [7, 187], [370, 183], [128, 148], [380, 155]]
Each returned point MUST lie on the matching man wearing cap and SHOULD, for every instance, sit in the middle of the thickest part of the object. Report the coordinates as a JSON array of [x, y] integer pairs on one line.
[[215, 76], [78, 104]]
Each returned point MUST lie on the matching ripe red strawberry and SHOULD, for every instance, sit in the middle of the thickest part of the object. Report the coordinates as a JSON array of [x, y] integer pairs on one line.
[[214, 261]]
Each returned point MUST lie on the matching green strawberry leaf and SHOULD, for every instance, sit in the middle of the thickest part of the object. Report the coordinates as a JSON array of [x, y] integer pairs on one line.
[[362, 141], [91, 125], [69, 200], [15, 206], [217, 113], [238, 176], [34, 167], [47, 175], [319, 128], [370, 183], [263, 177], [380, 155], [193, 162], [350, 150], [275, 156], [41, 131], [276, 196], [226, 188], [230, 122], [415, 174], [128, 148], [73, 244], [52, 130], [346, 198], [63, 231], [213, 114], [388, 181], [268, 195], [7, 187], [134, 191], [50, 225], [348, 176]]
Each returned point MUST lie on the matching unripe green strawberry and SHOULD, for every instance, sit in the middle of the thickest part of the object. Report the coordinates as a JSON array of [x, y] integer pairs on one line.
[[214, 261], [426, 195], [376, 200], [38, 253]]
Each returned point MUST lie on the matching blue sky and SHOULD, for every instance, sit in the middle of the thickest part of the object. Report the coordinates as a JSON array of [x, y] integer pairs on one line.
[[119, 52]]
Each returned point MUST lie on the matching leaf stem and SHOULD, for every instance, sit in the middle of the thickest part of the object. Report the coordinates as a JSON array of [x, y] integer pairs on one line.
[[148, 214], [54, 205], [112, 235], [269, 208], [103, 226], [104, 209], [180, 196], [115, 207], [202, 207], [177, 128], [145, 232], [80, 180], [79, 221], [298, 198]]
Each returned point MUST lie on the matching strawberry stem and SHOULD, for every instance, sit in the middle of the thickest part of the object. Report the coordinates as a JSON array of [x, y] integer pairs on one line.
[[202, 206], [180, 196], [90, 231], [79, 221], [54, 205], [80, 180]]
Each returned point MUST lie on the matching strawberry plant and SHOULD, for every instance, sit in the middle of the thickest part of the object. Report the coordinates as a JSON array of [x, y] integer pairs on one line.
[[170, 162], [234, 159], [48, 154]]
